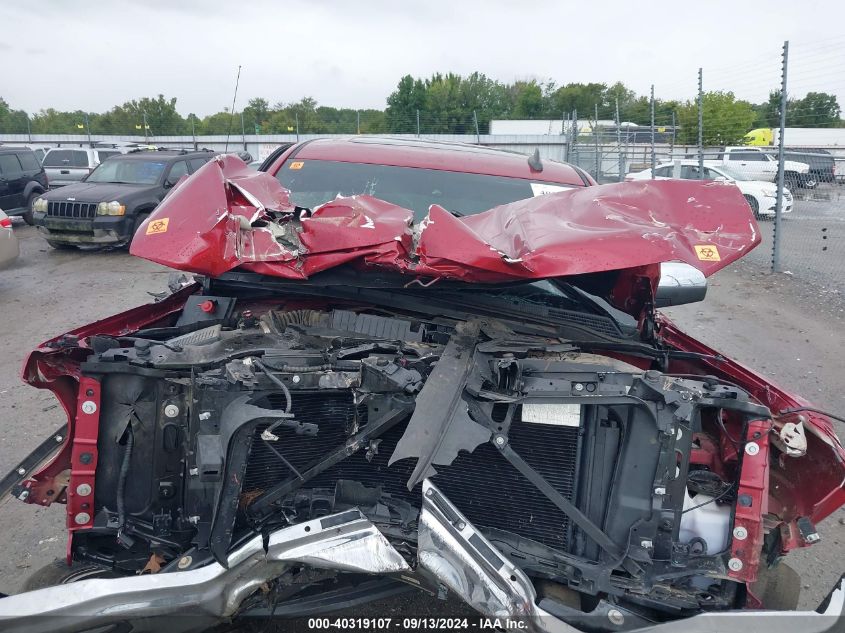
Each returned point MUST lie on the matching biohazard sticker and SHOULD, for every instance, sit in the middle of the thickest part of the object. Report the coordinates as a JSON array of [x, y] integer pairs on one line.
[[297, 164], [157, 226], [707, 253]]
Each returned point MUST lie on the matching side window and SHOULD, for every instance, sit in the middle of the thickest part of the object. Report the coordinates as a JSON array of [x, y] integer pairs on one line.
[[196, 163], [747, 156], [709, 174], [29, 162], [690, 172], [663, 172], [178, 170], [9, 165]]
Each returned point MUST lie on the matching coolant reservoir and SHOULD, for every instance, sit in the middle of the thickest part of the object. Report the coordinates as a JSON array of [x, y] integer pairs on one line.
[[710, 522]]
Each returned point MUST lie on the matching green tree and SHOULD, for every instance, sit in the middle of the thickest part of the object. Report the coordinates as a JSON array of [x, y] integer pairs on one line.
[[816, 109], [403, 105], [12, 121], [726, 119]]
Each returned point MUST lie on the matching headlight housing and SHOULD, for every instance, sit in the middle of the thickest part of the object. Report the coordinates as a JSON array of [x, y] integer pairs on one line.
[[40, 205], [111, 208]]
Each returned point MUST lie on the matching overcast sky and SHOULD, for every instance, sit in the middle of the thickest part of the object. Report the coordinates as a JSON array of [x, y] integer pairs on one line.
[[93, 55]]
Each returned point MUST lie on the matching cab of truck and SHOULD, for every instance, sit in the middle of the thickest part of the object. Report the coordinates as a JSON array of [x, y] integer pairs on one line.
[[759, 136]]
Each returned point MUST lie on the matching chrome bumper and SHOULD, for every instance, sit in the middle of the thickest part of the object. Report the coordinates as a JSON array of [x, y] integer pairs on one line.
[[449, 547], [346, 541]]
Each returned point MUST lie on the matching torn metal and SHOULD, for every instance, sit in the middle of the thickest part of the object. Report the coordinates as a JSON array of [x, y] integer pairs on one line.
[[228, 216]]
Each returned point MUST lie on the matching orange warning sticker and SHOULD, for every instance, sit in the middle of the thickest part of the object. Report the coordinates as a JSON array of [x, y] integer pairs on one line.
[[297, 164], [158, 225], [707, 253]]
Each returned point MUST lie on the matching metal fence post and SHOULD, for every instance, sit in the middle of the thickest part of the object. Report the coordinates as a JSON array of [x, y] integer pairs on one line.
[[418, 123], [776, 267], [653, 156], [700, 123], [477, 133], [574, 129], [243, 130], [296, 118], [596, 139], [619, 144], [358, 121]]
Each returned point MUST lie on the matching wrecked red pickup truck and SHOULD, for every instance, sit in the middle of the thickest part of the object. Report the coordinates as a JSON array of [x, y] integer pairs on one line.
[[407, 365]]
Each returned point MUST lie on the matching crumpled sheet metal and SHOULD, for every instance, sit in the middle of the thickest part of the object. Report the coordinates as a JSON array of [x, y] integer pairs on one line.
[[227, 216], [346, 541], [460, 557]]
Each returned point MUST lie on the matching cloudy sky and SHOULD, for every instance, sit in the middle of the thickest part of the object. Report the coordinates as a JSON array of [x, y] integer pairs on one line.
[[93, 55]]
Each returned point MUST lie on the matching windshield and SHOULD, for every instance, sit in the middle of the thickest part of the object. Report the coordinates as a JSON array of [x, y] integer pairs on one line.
[[316, 182], [128, 171]]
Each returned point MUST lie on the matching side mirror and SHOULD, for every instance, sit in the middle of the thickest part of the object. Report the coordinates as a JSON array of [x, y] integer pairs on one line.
[[168, 184], [680, 284]]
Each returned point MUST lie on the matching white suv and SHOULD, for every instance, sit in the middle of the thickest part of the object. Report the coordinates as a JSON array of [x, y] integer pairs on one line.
[[66, 165]]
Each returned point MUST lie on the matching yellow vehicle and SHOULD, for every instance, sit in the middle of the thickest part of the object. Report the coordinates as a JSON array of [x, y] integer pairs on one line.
[[759, 136]]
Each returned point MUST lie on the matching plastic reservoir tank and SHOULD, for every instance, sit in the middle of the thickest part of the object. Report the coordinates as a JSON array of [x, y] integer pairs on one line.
[[710, 522]]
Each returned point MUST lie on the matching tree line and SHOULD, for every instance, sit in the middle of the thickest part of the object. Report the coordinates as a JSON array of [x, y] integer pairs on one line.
[[443, 103]]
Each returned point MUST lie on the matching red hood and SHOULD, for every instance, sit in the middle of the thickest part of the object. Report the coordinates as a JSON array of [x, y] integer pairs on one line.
[[227, 216]]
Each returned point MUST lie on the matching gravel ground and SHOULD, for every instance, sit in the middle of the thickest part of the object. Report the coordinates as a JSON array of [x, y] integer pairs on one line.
[[788, 330]]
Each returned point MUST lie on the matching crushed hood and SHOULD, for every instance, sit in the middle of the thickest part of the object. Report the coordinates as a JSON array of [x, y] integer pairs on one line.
[[227, 216]]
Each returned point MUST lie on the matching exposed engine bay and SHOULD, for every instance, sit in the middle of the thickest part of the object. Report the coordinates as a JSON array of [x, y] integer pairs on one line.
[[577, 466]]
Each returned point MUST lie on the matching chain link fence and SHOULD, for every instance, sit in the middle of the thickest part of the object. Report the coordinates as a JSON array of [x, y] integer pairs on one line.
[[771, 125]]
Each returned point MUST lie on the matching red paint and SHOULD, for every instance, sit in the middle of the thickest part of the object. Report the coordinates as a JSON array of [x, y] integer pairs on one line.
[[811, 486], [754, 489], [219, 220], [430, 155], [83, 457]]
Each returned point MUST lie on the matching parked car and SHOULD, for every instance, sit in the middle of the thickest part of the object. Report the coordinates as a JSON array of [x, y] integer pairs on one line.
[[9, 249], [40, 150], [107, 207], [821, 162], [450, 378], [757, 164], [761, 195], [67, 165], [22, 180]]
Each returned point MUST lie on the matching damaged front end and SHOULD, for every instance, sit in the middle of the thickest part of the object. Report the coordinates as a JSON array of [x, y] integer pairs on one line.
[[270, 445]]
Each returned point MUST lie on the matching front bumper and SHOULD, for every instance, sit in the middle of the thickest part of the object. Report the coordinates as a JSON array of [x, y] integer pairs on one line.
[[450, 549], [769, 202], [99, 230]]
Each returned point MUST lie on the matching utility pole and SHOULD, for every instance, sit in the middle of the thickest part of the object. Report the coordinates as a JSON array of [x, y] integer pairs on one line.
[[358, 118], [418, 123], [28, 129], [296, 118], [146, 140], [700, 123], [779, 200], [194, 131], [619, 144], [653, 157], [477, 133]]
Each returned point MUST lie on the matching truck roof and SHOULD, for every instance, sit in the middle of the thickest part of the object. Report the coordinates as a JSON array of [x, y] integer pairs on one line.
[[424, 154]]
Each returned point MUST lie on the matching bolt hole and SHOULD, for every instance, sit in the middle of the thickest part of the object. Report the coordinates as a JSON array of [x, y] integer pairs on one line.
[[513, 578], [307, 528]]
